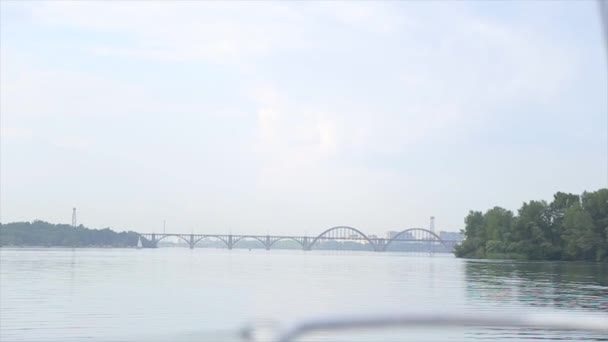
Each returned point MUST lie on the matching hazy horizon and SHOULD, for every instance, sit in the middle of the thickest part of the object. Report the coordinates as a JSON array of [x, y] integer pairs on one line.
[[293, 117]]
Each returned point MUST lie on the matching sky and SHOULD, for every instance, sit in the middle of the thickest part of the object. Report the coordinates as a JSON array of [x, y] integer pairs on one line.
[[293, 117]]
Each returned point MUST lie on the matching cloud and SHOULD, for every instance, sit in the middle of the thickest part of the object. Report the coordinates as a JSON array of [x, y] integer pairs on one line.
[[185, 31], [327, 136], [438, 76], [373, 17], [331, 107], [30, 90], [288, 133], [16, 134]]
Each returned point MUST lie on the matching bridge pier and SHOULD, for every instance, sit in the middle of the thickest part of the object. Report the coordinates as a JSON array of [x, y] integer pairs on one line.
[[191, 242], [305, 246], [380, 245], [230, 244], [153, 242], [267, 243]]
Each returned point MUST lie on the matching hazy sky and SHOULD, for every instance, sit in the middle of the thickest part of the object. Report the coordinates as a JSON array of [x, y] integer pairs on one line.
[[295, 117]]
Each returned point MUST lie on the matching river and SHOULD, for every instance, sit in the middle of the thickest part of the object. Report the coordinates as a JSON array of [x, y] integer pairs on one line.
[[168, 293]]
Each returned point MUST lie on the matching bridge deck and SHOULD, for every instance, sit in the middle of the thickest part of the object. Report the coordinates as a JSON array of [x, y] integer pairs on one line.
[[340, 234]]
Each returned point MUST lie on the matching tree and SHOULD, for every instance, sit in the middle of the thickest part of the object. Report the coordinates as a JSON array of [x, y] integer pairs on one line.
[[532, 232], [497, 224], [40, 233], [571, 227], [474, 233], [579, 234], [596, 204]]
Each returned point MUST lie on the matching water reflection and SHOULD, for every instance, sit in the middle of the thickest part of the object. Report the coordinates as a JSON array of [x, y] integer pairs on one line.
[[578, 286]]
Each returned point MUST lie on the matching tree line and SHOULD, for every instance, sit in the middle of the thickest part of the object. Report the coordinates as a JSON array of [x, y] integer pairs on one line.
[[571, 227], [40, 233]]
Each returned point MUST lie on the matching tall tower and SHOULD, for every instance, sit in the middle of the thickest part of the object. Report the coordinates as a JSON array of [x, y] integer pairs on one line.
[[432, 227], [73, 217]]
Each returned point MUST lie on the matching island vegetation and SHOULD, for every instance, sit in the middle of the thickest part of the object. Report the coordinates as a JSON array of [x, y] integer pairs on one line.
[[40, 233], [571, 227]]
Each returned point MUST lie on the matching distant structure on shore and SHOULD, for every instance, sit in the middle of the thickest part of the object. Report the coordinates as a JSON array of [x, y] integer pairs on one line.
[[74, 223], [454, 236], [444, 235]]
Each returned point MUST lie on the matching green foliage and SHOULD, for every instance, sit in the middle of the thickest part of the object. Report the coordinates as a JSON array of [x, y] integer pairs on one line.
[[571, 227], [40, 233]]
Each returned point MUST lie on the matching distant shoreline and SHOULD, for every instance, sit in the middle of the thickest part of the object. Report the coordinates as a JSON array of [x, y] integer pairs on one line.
[[46, 235], [64, 247]]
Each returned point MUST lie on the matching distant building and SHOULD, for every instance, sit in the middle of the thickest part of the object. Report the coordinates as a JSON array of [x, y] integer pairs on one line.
[[405, 236], [391, 233], [451, 236]]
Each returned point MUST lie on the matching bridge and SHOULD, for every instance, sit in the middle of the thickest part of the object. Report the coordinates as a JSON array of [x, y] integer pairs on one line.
[[340, 235]]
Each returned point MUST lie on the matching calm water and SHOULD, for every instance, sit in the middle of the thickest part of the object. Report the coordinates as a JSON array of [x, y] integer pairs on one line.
[[162, 294]]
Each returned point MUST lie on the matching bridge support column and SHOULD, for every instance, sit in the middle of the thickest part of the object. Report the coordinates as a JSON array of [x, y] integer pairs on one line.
[[305, 243], [191, 243], [230, 241], [267, 243], [153, 242], [380, 245]]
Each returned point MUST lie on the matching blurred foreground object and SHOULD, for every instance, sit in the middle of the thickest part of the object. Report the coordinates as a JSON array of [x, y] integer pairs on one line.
[[550, 322]]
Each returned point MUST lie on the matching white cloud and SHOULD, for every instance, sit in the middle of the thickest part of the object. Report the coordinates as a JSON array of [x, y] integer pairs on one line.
[[32, 91], [18, 134], [312, 99], [327, 136], [288, 134], [184, 31], [374, 17], [268, 123]]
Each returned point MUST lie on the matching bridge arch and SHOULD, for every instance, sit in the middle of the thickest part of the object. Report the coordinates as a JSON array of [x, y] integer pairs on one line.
[[396, 237], [285, 238], [235, 241], [212, 236], [338, 229], [178, 235]]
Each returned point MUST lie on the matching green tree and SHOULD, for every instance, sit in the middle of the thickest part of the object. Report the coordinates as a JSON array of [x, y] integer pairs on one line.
[[571, 227], [557, 210], [596, 204], [39, 233], [532, 233], [474, 232], [580, 239], [497, 225]]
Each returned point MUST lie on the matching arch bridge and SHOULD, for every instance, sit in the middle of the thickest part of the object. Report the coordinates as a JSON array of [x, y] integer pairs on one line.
[[340, 237]]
